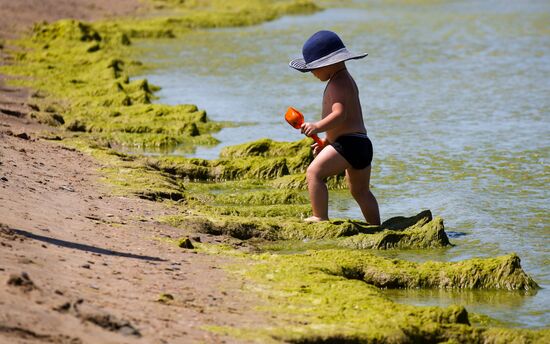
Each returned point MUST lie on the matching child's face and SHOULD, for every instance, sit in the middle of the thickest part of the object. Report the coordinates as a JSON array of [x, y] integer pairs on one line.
[[321, 73]]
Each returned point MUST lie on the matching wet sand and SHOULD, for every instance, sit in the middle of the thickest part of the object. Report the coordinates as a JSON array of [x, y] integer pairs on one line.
[[78, 265]]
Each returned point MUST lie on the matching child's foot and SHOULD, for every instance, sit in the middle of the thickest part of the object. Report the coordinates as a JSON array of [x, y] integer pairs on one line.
[[314, 219]]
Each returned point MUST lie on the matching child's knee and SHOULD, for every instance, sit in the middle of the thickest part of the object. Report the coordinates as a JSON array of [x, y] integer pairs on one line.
[[313, 173]]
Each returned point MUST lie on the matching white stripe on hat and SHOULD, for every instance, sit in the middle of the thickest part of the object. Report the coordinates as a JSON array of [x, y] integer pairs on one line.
[[328, 57]]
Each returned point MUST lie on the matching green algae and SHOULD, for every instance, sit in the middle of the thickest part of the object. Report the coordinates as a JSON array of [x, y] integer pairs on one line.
[[93, 90], [165, 298], [185, 243], [143, 184], [489, 273], [263, 197], [276, 214], [127, 175], [315, 293], [85, 69], [184, 16], [420, 235], [405, 233], [264, 159], [281, 164], [296, 211]]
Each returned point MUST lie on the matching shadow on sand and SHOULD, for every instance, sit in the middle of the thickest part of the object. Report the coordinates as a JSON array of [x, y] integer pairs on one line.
[[83, 247]]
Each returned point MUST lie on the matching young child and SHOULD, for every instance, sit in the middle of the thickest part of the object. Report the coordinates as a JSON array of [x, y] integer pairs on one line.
[[346, 147]]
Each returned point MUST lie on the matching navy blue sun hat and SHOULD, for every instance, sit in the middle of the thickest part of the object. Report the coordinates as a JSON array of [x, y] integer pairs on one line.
[[322, 49]]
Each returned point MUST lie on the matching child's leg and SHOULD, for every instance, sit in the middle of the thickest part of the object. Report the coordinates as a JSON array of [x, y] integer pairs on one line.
[[359, 181], [328, 163]]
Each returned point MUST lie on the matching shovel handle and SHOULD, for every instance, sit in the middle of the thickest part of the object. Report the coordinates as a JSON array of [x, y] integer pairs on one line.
[[318, 140]]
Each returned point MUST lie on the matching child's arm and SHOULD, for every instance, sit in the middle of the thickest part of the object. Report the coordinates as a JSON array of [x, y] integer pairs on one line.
[[332, 120]]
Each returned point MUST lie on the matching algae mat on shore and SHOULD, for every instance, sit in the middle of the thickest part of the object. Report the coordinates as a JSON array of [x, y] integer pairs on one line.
[[331, 296], [81, 73], [242, 203]]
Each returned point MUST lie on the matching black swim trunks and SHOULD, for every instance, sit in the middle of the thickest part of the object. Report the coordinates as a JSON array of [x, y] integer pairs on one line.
[[356, 148]]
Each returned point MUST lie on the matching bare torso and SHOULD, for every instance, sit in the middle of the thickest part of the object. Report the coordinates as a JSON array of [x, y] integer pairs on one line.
[[342, 88]]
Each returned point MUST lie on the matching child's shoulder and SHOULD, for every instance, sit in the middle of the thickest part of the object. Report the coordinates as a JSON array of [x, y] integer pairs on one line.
[[341, 85]]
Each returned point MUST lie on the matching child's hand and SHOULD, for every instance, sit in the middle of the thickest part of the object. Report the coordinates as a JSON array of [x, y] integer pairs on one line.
[[317, 148], [309, 128]]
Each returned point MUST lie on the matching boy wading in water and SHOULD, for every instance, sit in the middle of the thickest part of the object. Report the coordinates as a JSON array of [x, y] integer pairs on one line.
[[346, 147]]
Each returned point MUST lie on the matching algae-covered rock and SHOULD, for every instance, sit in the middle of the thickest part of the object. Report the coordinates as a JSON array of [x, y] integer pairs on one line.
[[76, 125], [421, 234], [282, 164], [238, 222], [400, 223], [66, 29], [144, 183], [249, 168], [297, 154], [279, 159], [261, 147], [235, 227], [185, 243], [165, 298], [52, 119], [263, 159], [489, 273]]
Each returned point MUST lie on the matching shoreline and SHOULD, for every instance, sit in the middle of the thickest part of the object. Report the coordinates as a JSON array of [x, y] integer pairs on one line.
[[159, 180]]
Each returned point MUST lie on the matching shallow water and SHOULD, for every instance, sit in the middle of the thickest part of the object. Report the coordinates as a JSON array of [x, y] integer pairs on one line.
[[456, 98]]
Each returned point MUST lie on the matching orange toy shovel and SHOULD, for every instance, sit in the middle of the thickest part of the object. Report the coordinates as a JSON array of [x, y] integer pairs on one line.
[[296, 119]]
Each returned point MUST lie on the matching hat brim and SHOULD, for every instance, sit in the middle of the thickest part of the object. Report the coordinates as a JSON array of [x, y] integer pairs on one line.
[[336, 57]]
